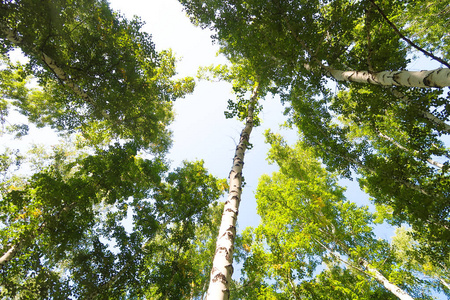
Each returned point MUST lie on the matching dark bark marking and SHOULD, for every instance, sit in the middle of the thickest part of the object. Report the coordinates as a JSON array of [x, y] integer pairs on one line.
[[428, 82], [395, 77], [232, 229], [235, 212], [230, 268], [220, 277]]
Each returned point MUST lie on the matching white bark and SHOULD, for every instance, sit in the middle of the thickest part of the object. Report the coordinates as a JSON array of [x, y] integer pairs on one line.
[[425, 114], [368, 270], [401, 294], [414, 152], [222, 267], [435, 78], [444, 283], [53, 66], [8, 255]]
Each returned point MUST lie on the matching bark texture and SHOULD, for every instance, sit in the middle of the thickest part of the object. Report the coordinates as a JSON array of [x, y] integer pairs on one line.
[[438, 78], [51, 63], [222, 267], [8, 255], [62, 76], [401, 294]]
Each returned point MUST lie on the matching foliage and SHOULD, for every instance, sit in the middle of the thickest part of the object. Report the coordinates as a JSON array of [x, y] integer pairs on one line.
[[99, 216], [70, 224], [98, 71], [311, 239], [393, 139]]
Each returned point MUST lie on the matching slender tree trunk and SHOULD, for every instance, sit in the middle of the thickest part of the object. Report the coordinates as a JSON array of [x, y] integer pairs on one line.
[[51, 63], [438, 78], [14, 248], [222, 267], [370, 271], [401, 294], [446, 284], [441, 124], [414, 152], [407, 40], [8, 254], [59, 72]]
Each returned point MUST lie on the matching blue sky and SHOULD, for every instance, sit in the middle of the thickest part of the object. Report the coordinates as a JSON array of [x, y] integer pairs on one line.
[[200, 130]]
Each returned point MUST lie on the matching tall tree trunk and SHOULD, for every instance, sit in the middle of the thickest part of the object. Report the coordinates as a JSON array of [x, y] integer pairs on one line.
[[22, 242], [222, 267], [51, 64], [59, 72], [413, 152], [445, 283], [401, 294], [438, 78], [8, 254], [407, 40], [438, 122], [370, 271]]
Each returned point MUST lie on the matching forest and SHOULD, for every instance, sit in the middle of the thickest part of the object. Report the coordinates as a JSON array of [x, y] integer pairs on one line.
[[104, 214]]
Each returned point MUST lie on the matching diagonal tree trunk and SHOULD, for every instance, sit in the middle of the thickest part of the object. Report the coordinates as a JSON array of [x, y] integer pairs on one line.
[[51, 63], [9, 254], [446, 284], [438, 78], [22, 242], [438, 122], [401, 294], [372, 272], [222, 267], [407, 40], [413, 152], [59, 72]]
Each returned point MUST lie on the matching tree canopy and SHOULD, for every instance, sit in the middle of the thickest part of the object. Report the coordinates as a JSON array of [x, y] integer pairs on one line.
[[104, 214], [386, 124]]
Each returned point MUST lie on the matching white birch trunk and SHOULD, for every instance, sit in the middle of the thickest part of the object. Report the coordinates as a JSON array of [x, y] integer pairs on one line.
[[222, 267], [425, 114], [8, 255], [401, 294], [51, 63], [438, 78], [435, 78], [53, 66], [444, 283], [414, 152], [368, 270]]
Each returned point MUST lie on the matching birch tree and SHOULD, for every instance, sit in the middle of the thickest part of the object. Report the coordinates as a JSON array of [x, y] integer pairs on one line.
[[60, 225], [101, 79], [300, 45], [244, 82], [85, 55], [306, 222]]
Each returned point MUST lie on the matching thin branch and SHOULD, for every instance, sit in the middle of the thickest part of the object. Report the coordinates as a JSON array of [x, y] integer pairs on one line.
[[444, 126], [403, 37], [414, 152]]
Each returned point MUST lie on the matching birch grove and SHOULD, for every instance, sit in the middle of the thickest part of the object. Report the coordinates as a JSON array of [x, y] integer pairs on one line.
[[105, 214]]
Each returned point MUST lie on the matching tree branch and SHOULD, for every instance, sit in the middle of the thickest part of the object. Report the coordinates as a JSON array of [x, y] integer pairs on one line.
[[411, 43]]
